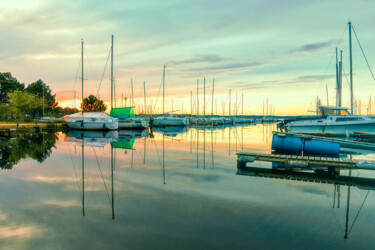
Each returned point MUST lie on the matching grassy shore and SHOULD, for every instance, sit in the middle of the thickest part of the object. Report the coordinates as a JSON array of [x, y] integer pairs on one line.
[[12, 124]]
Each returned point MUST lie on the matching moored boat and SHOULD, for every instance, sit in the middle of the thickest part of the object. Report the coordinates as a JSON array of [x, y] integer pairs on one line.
[[127, 119], [91, 121], [163, 121]]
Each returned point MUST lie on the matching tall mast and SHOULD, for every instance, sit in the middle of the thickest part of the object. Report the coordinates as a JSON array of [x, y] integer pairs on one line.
[[191, 102], [197, 98], [131, 83], [263, 107], [230, 96], [340, 79], [242, 104], [213, 92], [112, 87], [83, 177], [113, 202], [337, 81], [236, 103], [327, 94], [351, 67], [163, 86], [82, 72], [204, 96], [144, 96]]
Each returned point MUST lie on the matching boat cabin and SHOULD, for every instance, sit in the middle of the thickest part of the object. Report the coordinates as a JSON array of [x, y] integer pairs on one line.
[[333, 110], [123, 113]]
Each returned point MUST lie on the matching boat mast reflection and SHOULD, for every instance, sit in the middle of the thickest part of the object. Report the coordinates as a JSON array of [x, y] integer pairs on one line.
[[319, 176], [94, 139]]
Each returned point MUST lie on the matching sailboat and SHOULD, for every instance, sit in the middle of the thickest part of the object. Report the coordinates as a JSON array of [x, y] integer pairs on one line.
[[338, 121], [91, 120], [125, 115], [170, 120]]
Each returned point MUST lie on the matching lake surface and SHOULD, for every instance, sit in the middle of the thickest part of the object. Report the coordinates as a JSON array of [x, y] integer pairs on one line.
[[112, 191]]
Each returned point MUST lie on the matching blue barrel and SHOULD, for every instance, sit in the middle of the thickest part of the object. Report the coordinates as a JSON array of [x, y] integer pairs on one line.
[[313, 146], [287, 144]]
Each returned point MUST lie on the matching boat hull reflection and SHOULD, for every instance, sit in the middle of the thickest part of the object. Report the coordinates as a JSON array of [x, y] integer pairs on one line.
[[171, 131], [92, 138]]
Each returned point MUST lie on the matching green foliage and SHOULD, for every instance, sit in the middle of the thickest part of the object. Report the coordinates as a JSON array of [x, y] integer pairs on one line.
[[35, 146], [8, 84], [22, 104], [92, 103], [69, 111], [40, 89]]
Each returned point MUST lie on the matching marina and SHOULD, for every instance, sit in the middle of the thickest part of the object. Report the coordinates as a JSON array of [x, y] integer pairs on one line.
[[203, 125]]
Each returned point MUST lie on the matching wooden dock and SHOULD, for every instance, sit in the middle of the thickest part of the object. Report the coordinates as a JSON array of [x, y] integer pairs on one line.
[[299, 161], [316, 177], [343, 142]]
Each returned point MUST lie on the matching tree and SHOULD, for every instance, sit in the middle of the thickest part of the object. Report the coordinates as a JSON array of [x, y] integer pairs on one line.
[[22, 103], [69, 111], [92, 103], [40, 89], [8, 84]]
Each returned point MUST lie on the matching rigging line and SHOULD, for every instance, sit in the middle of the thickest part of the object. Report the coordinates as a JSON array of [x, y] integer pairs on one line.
[[332, 211], [100, 169], [92, 188], [359, 211], [157, 152], [79, 188], [105, 67], [157, 97], [333, 55], [324, 77], [346, 78], [368, 65], [75, 81]]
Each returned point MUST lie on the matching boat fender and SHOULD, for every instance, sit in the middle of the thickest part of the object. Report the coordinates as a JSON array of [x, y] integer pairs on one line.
[[364, 164], [246, 159], [298, 164]]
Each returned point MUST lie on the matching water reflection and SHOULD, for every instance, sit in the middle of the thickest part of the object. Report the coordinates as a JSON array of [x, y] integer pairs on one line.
[[320, 175], [37, 146], [171, 131], [149, 182]]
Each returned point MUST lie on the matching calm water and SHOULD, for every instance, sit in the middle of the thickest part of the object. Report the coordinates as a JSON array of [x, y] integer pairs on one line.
[[120, 195]]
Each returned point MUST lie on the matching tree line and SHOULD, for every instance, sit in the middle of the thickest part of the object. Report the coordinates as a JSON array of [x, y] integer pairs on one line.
[[18, 102]]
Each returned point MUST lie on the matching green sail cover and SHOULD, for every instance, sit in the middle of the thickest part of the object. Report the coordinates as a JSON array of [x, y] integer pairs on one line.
[[126, 112], [124, 144]]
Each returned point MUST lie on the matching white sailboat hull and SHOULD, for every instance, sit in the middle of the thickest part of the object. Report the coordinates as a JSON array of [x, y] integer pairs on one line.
[[91, 121], [327, 127], [170, 121], [202, 121], [137, 123]]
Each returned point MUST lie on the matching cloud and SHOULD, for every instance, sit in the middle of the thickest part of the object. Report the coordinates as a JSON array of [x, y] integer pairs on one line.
[[22, 231], [229, 67], [312, 47], [285, 82], [199, 59]]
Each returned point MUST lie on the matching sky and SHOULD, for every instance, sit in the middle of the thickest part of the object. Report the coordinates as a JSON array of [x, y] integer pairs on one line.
[[283, 51]]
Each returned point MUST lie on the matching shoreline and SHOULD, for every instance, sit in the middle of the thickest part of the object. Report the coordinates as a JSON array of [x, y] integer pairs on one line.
[[23, 125]]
